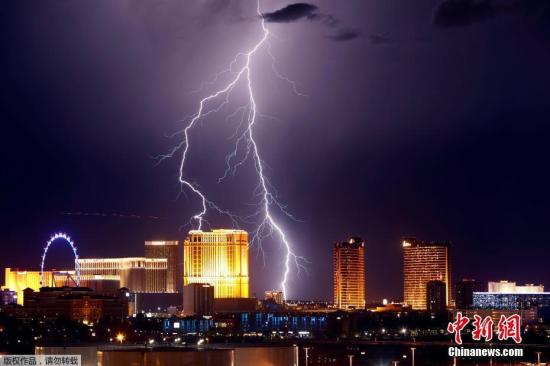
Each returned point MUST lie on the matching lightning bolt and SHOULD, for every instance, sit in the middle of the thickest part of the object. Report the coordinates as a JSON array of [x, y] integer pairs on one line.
[[267, 225]]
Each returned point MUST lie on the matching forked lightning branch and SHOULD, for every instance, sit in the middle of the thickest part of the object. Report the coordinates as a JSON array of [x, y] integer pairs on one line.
[[267, 226]]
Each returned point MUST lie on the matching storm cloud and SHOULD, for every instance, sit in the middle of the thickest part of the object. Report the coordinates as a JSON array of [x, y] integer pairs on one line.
[[292, 13], [299, 11], [343, 35]]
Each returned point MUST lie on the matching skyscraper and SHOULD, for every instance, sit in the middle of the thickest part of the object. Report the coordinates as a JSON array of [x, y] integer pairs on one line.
[[436, 296], [424, 262], [349, 274], [219, 258], [464, 292], [168, 250]]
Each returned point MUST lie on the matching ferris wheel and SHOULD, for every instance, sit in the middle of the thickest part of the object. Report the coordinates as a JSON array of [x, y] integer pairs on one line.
[[67, 239]]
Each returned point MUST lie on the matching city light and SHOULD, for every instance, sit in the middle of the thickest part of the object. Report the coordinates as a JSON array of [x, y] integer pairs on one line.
[[219, 258]]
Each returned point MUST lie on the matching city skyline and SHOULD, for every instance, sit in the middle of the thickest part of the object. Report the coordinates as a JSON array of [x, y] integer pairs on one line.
[[399, 135], [214, 263]]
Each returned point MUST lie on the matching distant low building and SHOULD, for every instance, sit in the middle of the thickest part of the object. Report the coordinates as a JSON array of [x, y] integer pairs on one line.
[[274, 295], [389, 307], [505, 295], [17, 279], [510, 301], [506, 287], [75, 303], [8, 297]]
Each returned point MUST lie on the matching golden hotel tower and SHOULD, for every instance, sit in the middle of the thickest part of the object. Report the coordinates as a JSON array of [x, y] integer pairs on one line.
[[349, 274], [424, 262], [219, 258]]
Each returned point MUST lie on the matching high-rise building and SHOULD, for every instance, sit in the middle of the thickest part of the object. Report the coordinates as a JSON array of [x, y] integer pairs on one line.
[[436, 296], [170, 251], [349, 274], [219, 258], [274, 295], [140, 275], [424, 262], [464, 292], [198, 299]]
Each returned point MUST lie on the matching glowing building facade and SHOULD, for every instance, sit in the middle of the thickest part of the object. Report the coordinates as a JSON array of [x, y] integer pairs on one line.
[[140, 275], [349, 274], [274, 295], [170, 251], [506, 287], [17, 280], [218, 258], [424, 262]]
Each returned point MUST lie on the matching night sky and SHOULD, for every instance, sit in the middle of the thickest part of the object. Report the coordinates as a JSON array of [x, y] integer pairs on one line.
[[426, 119]]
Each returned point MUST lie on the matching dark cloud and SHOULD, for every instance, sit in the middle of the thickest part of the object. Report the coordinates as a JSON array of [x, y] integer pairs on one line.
[[299, 11], [292, 13], [381, 39], [456, 13], [343, 35], [326, 19]]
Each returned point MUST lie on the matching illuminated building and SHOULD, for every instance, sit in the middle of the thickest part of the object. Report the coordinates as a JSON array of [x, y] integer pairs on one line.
[[170, 251], [140, 275], [464, 292], [506, 295], [505, 287], [424, 262], [436, 296], [274, 295], [219, 258], [510, 301], [198, 299], [8, 297], [349, 274], [18, 280]]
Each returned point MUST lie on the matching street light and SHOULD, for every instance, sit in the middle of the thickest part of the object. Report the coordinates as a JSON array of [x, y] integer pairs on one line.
[[412, 350], [120, 337], [307, 353]]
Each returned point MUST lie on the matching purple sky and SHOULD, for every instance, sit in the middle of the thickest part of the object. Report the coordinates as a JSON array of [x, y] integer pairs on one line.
[[420, 119]]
